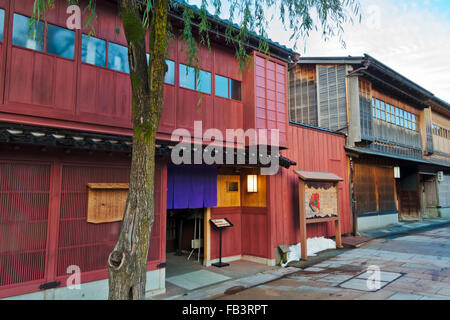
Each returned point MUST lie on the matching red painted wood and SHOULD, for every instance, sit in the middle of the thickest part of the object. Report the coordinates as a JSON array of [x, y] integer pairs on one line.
[[265, 87], [50, 188], [313, 150], [54, 89], [254, 235], [231, 238]]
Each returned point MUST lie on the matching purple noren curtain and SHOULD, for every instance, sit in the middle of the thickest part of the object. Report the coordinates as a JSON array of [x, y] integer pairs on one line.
[[191, 187]]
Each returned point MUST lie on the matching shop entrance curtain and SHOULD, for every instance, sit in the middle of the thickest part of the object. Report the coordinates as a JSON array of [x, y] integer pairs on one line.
[[191, 186]]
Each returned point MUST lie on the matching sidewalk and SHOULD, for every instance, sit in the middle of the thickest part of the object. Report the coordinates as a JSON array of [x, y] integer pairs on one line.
[[242, 275], [405, 227]]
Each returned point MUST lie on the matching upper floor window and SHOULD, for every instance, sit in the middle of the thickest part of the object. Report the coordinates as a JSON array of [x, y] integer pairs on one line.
[[204, 82], [391, 114], [235, 90], [2, 23], [189, 79], [441, 132], [170, 74], [228, 88], [93, 50], [169, 78], [60, 41], [24, 35], [118, 57], [221, 84]]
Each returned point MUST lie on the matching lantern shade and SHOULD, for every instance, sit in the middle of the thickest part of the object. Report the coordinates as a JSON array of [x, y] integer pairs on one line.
[[252, 183], [397, 172]]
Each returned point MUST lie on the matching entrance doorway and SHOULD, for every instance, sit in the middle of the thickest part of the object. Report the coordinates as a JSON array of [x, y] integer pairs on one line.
[[185, 240], [409, 195]]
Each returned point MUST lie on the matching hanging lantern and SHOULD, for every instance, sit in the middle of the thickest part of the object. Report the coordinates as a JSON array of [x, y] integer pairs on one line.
[[252, 183]]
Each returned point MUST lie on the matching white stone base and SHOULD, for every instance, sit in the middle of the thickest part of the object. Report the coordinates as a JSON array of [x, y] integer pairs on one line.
[[378, 221], [95, 290]]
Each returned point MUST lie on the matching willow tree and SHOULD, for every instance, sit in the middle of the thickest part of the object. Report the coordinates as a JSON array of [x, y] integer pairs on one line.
[[127, 262]]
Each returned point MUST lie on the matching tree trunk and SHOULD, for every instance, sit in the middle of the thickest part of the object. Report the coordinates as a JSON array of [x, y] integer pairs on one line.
[[127, 263]]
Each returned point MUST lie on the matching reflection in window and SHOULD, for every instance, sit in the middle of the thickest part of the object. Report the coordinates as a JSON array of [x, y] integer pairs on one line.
[[60, 41], [221, 84], [414, 122], [187, 77], [23, 36], [2, 23], [204, 82], [93, 51], [118, 58], [170, 74], [235, 90]]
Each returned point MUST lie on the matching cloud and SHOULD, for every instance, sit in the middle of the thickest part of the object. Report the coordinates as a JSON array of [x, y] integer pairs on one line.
[[412, 38]]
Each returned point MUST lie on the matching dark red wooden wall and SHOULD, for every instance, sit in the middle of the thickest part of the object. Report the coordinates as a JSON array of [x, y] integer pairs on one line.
[[313, 150], [44, 89], [43, 228]]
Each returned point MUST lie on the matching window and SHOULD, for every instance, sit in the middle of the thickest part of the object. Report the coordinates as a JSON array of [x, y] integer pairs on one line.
[[402, 123], [23, 36], [414, 122], [235, 90], [187, 77], [204, 82], [93, 51], [221, 84], [388, 113], [118, 57], [170, 74], [373, 108], [60, 41], [392, 113], [2, 23]]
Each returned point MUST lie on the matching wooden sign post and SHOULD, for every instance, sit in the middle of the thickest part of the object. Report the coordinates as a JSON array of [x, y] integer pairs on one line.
[[318, 203]]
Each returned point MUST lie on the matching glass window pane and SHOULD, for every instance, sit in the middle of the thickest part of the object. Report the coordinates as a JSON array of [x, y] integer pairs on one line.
[[170, 74], [118, 57], [204, 82], [383, 111], [60, 41], [23, 33], [93, 51], [373, 107], [221, 84], [187, 77], [235, 90], [2, 23]]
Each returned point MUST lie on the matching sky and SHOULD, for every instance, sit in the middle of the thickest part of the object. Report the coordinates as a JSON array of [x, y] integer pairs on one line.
[[410, 36]]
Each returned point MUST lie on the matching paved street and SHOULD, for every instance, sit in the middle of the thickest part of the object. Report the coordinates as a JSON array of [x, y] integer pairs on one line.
[[413, 266]]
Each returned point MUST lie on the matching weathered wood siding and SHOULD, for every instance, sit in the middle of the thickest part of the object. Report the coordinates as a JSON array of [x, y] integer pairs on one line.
[[332, 111], [303, 95]]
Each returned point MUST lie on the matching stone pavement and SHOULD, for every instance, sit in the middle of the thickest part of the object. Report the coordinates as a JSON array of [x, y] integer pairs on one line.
[[403, 227], [414, 266]]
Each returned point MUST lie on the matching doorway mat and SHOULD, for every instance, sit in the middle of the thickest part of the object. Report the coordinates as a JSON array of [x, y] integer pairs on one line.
[[197, 279]]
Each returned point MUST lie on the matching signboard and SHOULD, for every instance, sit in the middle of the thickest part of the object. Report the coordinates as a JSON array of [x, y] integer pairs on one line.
[[221, 223], [320, 200]]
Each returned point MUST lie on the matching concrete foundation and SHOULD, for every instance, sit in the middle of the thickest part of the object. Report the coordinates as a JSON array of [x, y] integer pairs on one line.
[[95, 290], [376, 221]]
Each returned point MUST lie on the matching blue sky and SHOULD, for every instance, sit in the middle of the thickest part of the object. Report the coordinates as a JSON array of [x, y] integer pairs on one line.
[[411, 37]]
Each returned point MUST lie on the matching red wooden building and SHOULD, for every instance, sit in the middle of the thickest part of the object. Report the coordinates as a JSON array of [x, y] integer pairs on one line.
[[65, 123]]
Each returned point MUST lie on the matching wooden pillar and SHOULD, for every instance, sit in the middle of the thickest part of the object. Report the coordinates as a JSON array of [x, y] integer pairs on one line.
[[303, 229]]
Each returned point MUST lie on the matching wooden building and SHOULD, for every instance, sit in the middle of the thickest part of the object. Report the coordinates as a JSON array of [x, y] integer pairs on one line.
[[65, 144], [391, 125]]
